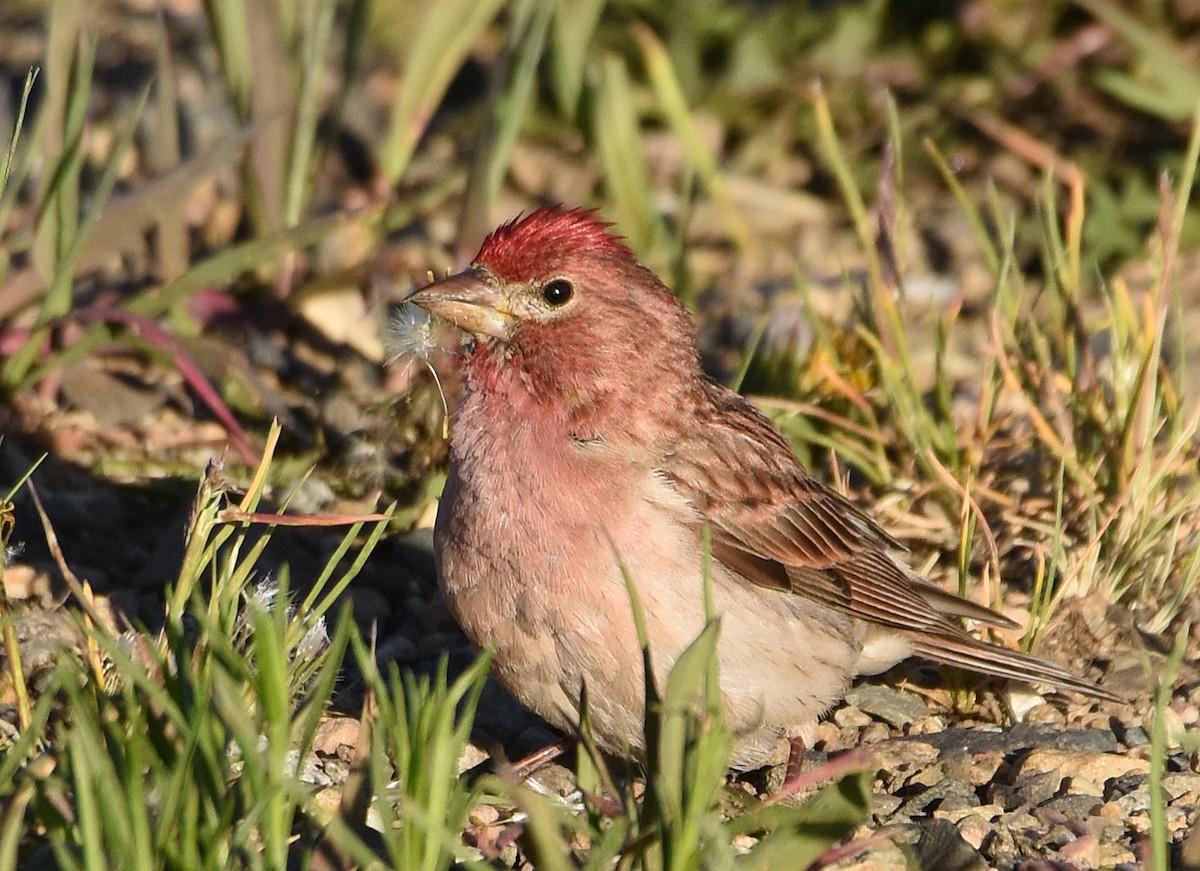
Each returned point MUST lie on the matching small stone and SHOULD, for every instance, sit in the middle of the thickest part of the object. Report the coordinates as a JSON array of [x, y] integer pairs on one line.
[[1094, 741], [930, 725], [884, 805], [484, 815], [1125, 784], [1001, 847], [927, 777], [849, 717], [976, 769], [955, 814], [334, 733], [974, 829], [327, 800], [897, 759], [1114, 854], [1018, 820], [1134, 802], [312, 496], [337, 769], [1032, 788], [1096, 767], [1173, 725], [941, 846], [1178, 786], [1188, 714], [555, 779], [23, 581], [1138, 823], [946, 794], [886, 856], [1082, 786], [1085, 850], [876, 733], [1182, 760], [1057, 838], [1177, 819], [308, 770], [743, 844], [897, 709], [1131, 735], [1044, 714], [1189, 850], [831, 737], [1076, 806], [471, 757]]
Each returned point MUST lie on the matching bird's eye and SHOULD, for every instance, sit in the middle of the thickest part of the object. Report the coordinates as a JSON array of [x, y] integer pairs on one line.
[[558, 292]]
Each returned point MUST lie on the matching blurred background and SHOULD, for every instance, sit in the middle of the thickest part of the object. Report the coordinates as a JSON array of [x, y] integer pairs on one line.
[[946, 244]]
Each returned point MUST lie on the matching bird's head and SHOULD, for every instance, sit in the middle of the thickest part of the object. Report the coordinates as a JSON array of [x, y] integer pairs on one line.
[[558, 300]]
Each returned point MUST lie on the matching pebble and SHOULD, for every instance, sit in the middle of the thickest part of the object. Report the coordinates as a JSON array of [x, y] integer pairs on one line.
[[1078, 806], [976, 769], [975, 829], [312, 770], [484, 815], [929, 776], [327, 800], [1126, 783], [1085, 850], [335, 733], [471, 757], [1044, 714], [897, 709], [1084, 741], [929, 725], [946, 795], [896, 760], [830, 736], [887, 856], [1189, 850], [876, 733], [1031, 789], [1131, 735], [849, 717], [1183, 787], [884, 805], [554, 779], [941, 846], [1115, 855], [1138, 800], [1081, 786], [1095, 767], [23, 581]]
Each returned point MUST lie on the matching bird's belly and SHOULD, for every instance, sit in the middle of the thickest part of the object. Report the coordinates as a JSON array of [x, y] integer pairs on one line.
[[546, 590]]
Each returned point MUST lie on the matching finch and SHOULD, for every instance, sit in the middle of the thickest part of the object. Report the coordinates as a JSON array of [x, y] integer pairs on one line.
[[590, 446]]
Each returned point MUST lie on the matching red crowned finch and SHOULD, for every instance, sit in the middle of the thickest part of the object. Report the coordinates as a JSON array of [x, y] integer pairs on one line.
[[589, 443]]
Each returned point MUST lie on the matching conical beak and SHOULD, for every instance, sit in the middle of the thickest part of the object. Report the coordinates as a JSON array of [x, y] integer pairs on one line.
[[469, 302]]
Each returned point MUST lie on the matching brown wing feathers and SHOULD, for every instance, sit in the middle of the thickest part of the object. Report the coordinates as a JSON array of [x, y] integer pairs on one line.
[[799, 536]]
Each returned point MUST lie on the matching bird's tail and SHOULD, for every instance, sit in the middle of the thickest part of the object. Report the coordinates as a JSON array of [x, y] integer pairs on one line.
[[974, 655]]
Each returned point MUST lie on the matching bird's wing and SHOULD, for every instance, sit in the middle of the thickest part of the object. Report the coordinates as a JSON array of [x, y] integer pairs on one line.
[[778, 527]]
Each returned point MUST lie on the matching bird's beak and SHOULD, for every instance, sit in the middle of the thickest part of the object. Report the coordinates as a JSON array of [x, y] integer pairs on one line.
[[469, 302]]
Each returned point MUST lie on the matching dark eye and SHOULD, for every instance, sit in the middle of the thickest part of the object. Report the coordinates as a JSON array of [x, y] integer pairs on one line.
[[558, 292]]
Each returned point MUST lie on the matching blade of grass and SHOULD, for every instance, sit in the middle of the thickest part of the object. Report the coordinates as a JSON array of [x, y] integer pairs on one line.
[[448, 31], [674, 106]]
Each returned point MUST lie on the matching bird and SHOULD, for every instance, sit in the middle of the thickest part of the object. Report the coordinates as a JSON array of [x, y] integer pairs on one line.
[[590, 448]]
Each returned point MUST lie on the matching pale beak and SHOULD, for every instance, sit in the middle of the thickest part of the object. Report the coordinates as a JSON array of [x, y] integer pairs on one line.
[[469, 302]]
